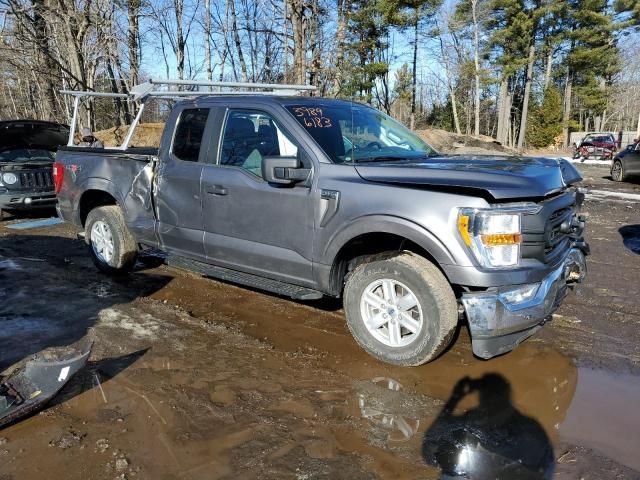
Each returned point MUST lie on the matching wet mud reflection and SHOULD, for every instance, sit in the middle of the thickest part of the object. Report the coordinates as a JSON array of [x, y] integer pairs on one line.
[[492, 440]]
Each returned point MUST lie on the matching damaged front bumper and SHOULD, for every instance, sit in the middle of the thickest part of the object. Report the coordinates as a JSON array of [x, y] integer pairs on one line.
[[500, 319]]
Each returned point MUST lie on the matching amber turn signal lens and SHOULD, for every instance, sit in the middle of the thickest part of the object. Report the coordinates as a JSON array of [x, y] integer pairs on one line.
[[463, 227], [501, 239]]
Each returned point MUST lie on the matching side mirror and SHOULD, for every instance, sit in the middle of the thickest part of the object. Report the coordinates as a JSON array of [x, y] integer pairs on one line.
[[283, 170]]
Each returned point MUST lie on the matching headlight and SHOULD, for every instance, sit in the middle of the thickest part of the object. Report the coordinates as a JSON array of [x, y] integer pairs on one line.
[[9, 178], [494, 235]]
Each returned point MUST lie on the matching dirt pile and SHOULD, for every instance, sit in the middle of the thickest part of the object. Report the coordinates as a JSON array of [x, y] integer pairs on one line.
[[448, 142], [145, 135]]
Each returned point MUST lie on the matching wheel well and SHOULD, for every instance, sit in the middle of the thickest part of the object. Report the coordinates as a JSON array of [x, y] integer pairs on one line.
[[367, 245], [92, 199]]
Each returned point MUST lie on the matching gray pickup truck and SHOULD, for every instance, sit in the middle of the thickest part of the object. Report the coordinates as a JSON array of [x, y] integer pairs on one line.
[[307, 197]]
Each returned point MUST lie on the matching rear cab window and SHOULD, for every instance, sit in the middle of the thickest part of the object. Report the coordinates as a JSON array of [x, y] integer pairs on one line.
[[189, 133]]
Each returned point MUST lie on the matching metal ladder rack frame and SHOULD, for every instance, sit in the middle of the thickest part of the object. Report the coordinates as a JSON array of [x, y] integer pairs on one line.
[[142, 92]]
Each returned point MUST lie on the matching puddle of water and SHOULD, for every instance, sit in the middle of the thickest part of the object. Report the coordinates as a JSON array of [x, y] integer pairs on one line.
[[605, 416], [101, 289]]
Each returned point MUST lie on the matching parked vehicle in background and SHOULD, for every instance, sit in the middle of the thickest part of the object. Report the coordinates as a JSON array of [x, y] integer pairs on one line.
[[626, 163], [596, 146], [27, 152], [306, 197]]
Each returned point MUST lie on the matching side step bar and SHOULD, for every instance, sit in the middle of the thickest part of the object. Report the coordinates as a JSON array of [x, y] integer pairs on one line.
[[233, 276]]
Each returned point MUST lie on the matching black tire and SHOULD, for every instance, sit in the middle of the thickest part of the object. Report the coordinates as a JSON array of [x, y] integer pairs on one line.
[[3, 215], [125, 249], [617, 171], [432, 292]]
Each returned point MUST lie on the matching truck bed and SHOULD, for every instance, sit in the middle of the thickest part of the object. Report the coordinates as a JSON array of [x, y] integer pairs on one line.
[[126, 175]]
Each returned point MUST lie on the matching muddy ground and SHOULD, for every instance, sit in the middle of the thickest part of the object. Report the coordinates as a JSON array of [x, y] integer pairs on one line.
[[190, 378]]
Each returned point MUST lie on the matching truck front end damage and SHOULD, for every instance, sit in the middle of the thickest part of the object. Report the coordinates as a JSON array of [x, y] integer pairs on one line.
[[550, 235], [501, 318]]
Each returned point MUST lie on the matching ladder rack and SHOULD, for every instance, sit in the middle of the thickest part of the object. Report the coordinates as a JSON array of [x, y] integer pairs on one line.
[[143, 92]]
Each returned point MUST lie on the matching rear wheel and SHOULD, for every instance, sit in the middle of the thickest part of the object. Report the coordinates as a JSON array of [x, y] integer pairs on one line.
[[111, 246], [400, 308], [617, 171]]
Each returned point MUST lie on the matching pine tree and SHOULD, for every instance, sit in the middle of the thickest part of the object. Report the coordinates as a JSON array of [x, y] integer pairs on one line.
[[592, 58], [545, 120]]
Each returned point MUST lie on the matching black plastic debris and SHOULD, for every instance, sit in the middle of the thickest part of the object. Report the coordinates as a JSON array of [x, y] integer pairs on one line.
[[30, 386]]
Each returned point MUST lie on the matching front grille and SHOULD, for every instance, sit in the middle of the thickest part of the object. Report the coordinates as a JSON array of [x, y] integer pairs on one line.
[[36, 178], [546, 234], [555, 239]]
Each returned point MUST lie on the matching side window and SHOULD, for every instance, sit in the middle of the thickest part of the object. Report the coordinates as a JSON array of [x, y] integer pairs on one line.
[[249, 136], [188, 137]]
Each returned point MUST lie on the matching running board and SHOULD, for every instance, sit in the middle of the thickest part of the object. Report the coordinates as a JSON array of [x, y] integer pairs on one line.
[[233, 276]]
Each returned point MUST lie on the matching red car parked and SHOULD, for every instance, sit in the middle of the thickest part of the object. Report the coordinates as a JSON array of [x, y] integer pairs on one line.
[[596, 146]]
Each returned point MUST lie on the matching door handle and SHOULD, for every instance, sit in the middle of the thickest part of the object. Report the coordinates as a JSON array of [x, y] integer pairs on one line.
[[217, 190]]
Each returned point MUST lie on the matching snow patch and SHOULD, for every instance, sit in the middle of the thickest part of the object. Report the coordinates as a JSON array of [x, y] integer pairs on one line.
[[634, 197], [143, 326]]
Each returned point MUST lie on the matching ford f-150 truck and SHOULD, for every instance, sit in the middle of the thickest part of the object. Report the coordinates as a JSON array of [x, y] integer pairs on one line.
[[308, 197]]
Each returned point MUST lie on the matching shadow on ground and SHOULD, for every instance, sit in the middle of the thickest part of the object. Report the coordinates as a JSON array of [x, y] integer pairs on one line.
[[492, 440], [51, 295]]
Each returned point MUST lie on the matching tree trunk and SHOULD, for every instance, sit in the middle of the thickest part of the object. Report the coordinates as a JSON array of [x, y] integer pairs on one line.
[[236, 39], [42, 43], [476, 58], [527, 93], [180, 43], [314, 72], [296, 7], [207, 39], [133, 34], [414, 72], [342, 20], [566, 110], [547, 72], [502, 103]]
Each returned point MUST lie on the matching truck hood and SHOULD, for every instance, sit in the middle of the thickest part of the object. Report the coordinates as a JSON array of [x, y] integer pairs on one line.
[[33, 134], [501, 177]]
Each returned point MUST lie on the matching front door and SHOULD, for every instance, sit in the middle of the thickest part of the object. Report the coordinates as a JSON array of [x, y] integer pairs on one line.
[[250, 225]]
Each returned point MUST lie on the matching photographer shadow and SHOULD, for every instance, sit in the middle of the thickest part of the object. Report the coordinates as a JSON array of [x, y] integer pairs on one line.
[[491, 441]]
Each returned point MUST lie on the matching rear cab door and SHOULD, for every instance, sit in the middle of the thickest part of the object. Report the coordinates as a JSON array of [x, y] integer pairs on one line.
[[185, 142]]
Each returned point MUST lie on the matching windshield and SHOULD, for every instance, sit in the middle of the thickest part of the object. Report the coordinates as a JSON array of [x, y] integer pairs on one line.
[[601, 139], [357, 133], [26, 155]]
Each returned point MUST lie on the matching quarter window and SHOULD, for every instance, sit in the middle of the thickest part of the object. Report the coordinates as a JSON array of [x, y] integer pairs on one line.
[[189, 133], [249, 136]]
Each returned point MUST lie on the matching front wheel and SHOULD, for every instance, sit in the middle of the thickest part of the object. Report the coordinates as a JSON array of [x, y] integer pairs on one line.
[[400, 308], [617, 171], [111, 246]]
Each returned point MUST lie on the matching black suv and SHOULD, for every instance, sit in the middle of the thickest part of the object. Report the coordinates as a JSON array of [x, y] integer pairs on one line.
[[27, 152]]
